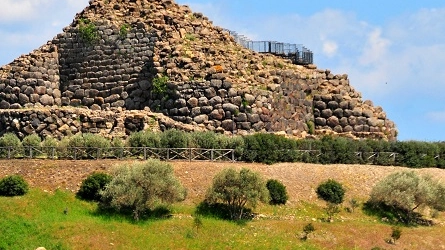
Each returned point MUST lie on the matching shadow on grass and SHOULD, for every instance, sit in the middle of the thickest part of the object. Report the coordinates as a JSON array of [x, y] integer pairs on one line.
[[222, 211], [394, 215], [126, 214]]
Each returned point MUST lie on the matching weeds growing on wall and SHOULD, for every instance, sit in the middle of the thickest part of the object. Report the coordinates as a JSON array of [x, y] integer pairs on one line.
[[88, 31]]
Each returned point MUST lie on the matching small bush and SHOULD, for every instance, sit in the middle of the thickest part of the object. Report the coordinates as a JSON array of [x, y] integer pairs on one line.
[[10, 140], [140, 187], [95, 141], [31, 141], [396, 233], [144, 139], [204, 139], [405, 192], [173, 138], [277, 192], [307, 229], [331, 191], [236, 190], [92, 185], [13, 185], [269, 148], [49, 144]]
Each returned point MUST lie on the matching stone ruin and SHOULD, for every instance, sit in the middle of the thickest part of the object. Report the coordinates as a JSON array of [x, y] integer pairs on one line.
[[128, 65]]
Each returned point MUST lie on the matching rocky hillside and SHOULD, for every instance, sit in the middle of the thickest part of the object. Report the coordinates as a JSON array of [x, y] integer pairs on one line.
[[138, 54]]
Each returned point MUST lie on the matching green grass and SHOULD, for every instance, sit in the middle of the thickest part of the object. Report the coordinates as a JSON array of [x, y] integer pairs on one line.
[[38, 219]]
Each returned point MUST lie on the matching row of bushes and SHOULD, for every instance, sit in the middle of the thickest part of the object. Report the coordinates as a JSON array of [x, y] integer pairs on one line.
[[270, 148], [141, 188], [266, 148]]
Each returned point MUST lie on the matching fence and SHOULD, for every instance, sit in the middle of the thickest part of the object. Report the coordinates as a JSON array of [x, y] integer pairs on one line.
[[182, 154], [144, 153], [297, 53]]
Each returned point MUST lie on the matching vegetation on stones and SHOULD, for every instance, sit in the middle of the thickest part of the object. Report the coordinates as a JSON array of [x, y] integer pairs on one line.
[[396, 233], [400, 195], [236, 190], [92, 185], [307, 229], [277, 192], [160, 85], [88, 31], [13, 185], [141, 187], [123, 31]]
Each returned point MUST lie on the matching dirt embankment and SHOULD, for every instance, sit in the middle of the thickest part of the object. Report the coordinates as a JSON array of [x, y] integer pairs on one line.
[[301, 179]]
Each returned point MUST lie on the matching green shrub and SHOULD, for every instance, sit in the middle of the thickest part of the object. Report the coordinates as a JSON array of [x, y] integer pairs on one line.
[[236, 190], [96, 141], [338, 150], [89, 144], [49, 146], [416, 154], [92, 185], [140, 187], [277, 192], [204, 139], [31, 141], [405, 192], [269, 148], [117, 143], [10, 140], [13, 185], [232, 142], [173, 138], [144, 139], [331, 191]]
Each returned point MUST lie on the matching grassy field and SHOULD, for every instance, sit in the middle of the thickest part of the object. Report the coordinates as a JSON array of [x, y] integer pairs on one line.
[[38, 219]]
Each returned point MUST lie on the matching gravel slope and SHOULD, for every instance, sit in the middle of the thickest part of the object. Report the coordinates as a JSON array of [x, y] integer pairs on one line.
[[300, 178]]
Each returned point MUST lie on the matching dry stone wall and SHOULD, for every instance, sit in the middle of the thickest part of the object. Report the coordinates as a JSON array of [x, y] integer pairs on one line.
[[208, 81]]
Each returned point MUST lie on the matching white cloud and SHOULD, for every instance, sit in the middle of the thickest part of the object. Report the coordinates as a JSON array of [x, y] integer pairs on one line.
[[330, 48], [375, 48]]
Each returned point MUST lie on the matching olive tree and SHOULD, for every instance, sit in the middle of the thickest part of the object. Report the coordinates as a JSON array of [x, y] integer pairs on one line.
[[142, 186], [408, 192], [237, 189]]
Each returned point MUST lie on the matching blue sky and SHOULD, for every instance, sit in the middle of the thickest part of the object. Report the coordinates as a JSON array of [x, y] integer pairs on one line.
[[393, 51]]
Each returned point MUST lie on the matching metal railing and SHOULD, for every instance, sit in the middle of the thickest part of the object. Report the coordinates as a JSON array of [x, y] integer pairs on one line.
[[297, 53]]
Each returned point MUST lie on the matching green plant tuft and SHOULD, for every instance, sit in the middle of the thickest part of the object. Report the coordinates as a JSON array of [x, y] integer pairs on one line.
[[88, 31], [160, 85]]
